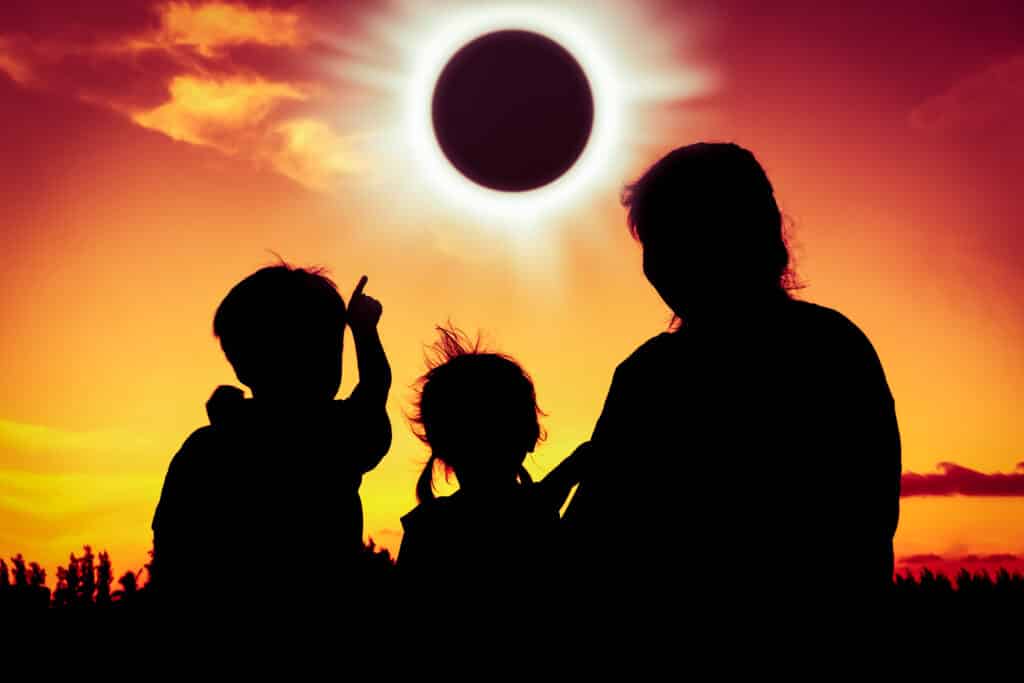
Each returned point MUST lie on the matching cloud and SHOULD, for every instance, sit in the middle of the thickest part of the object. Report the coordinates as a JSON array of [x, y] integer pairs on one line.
[[45, 515], [952, 564], [993, 94], [926, 558], [16, 68], [61, 488], [236, 117], [39, 449], [958, 480], [990, 559], [242, 78], [52, 498], [311, 153], [212, 26], [132, 25], [387, 531], [213, 112]]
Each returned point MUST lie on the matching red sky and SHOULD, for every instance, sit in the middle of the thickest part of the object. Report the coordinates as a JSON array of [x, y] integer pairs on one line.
[[155, 152]]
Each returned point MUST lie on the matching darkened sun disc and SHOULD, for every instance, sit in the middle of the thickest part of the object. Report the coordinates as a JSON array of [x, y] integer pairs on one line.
[[512, 110]]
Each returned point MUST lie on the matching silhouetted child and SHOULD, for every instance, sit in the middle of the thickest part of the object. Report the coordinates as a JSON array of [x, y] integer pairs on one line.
[[277, 475], [477, 411]]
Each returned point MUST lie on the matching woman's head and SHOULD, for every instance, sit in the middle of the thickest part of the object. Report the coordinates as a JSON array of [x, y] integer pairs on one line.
[[711, 230], [477, 411]]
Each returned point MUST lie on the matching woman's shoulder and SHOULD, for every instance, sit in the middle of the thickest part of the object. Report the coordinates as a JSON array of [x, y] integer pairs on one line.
[[460, 510], [835, 342], [824, 322], [648, 353]]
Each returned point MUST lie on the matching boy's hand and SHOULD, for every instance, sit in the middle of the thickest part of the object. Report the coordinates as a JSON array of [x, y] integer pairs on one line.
[[363, 311]]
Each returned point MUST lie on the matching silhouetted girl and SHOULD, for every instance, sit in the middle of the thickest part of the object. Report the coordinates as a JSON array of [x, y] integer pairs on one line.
[[478, 413]]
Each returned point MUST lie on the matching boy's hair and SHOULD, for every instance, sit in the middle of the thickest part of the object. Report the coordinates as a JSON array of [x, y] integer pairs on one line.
[[470, 393], [274, 313]]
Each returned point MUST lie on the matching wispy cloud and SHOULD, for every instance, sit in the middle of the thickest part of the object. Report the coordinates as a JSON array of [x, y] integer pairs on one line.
[[42, 449], [922, 558], [313, 154], [227, 75], [212, 26], [216, 113], [982, 98], [62, 488]]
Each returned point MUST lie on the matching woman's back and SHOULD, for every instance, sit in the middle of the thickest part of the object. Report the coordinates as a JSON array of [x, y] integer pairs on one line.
[[765, 451]]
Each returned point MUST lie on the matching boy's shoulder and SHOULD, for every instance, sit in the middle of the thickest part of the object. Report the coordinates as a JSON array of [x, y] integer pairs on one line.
[[200, 441], [184, 474], [196, 450]]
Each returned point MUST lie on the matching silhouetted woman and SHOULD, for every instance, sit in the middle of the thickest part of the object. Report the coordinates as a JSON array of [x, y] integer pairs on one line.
[[752, 451], [478, 413]]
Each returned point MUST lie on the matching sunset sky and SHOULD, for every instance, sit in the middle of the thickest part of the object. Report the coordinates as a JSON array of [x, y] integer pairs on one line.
[[154, 153]]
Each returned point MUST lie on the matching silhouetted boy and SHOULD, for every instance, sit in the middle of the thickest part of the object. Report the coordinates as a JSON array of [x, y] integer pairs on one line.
[[275, 479]]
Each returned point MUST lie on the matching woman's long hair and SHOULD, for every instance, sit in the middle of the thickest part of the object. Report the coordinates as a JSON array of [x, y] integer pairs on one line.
[[708, 212]]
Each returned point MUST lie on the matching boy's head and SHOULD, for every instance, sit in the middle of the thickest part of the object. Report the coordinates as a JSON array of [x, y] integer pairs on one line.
[[281, 329]]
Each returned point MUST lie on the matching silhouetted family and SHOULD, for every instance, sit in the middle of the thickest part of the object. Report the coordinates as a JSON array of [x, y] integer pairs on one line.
[[757, 435]]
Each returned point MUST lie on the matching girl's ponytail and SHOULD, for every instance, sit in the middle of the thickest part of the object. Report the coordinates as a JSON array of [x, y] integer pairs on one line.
[[425, 484]]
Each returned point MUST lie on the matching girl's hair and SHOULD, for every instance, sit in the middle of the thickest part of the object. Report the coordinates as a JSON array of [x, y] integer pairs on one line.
[[469, 394]]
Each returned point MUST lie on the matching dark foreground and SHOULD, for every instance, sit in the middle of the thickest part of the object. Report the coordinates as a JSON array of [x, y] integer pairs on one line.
[[88, 581]]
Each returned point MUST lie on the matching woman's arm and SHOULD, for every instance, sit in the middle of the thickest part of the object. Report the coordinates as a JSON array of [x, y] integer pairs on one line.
[[591, 469], [554, 489], [866, 440]]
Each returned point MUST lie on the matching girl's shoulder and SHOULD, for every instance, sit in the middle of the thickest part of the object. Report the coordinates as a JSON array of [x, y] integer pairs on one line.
[[445, 516], [426, 513], [460, 510]]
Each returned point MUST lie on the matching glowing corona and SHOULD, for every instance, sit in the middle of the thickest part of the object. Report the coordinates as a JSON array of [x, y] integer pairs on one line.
[[443, 41]]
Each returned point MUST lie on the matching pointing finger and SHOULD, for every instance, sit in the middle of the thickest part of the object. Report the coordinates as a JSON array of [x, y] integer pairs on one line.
[[359, 289]]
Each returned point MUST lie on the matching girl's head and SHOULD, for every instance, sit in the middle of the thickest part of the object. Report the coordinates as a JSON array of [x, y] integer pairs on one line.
[[477, 411], [711, 229]]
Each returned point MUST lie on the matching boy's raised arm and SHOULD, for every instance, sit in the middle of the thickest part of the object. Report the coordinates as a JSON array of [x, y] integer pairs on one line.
[[374, 371], [371, 392]]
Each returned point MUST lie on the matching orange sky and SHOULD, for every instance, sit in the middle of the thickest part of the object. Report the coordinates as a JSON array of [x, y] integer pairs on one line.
[[155, 153]]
